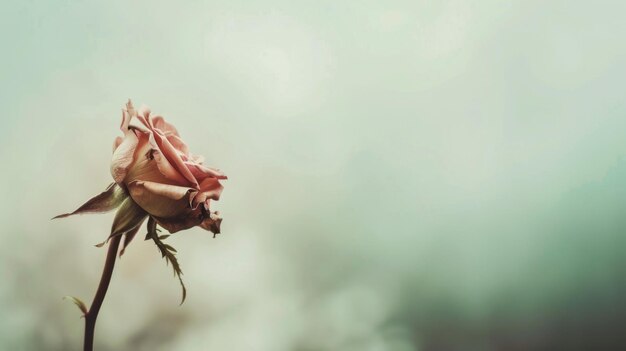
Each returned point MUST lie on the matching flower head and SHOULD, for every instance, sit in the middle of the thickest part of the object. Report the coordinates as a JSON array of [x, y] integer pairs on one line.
[[161, 175]]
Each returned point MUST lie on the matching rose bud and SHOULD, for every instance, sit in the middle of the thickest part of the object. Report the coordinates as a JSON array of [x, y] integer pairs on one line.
[[156, 176], [162, 177]]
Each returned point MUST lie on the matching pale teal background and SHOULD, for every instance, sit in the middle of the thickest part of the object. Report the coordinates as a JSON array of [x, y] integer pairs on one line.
[[403, 175]]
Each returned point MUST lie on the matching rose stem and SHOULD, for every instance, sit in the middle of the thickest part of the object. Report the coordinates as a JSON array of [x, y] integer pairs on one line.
[[107, 272]]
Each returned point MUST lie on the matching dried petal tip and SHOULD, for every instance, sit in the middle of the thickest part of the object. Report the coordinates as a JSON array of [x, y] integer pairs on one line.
[[212, 223], [130, 108]]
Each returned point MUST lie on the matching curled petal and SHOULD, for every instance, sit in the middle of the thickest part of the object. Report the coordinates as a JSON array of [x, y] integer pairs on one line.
[[167, 128], [173, 157], [149, 164], [123, 156], [199, 217], [176, 224], [130, 108], [212, 223], [106, 201], [138, 125], [126, 117], [210, 188], [178, 144], [166, 168], [161, 200], [144, 111], [144, 123], [200, 171], [117, 142]]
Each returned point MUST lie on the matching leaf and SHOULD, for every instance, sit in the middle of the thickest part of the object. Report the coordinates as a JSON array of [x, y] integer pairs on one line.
[[167, 252], [182, 285], [106, 201], [78, 303], [128, 237]]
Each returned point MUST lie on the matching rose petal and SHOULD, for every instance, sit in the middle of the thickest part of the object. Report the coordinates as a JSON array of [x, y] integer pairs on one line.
[[167, 128], [123, 156], [150, 165], [177, 224], [200, 171], [212, 223], [118, 140], [210, 188], [161, 200], [144, 111], [178, 144], [174, 159], [135, 123], [125, 120], [143, 123], [166, 168], [163, 163], [130, 108]]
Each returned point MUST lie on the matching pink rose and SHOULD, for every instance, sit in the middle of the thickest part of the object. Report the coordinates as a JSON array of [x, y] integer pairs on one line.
[[156, 177], [162, 177]]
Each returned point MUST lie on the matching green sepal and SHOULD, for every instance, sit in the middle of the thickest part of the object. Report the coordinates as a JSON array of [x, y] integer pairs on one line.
[[106, 201]]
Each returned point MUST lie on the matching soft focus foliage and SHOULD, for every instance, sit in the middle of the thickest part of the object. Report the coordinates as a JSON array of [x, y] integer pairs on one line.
[[403, 175]]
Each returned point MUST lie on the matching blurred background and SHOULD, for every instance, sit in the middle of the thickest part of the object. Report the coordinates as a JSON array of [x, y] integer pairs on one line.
[[403, 175]]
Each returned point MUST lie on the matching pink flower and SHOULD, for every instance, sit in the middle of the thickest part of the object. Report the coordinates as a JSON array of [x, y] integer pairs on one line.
[[156, 177], [162, 177]]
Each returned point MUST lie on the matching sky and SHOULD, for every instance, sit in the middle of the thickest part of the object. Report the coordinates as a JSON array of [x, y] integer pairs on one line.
[[403, 175]]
